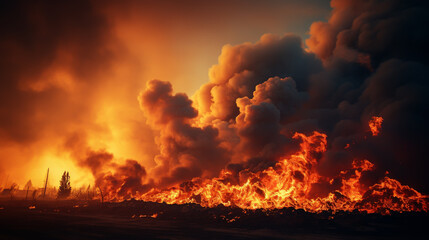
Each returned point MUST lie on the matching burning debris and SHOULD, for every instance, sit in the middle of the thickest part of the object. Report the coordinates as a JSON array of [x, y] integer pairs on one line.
[[375, 125]]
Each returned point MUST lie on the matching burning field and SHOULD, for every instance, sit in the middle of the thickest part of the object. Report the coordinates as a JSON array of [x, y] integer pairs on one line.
[[290, 182], [320, 134]]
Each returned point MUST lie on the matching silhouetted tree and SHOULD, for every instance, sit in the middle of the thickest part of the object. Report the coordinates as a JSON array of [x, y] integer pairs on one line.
[[34, 195], [65, 188]]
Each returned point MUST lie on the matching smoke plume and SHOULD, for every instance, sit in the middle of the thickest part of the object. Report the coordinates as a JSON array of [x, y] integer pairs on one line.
[[367, 60]]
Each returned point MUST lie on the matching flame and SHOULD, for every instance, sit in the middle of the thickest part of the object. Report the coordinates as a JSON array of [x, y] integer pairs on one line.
[[293, 182], [289, 183], [375, 125]]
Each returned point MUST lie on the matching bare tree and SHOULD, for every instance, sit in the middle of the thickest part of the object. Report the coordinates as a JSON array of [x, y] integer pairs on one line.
[[34, 195]]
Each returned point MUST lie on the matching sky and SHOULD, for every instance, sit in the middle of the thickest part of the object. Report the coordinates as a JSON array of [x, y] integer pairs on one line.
[[188, 36], [140, 94]]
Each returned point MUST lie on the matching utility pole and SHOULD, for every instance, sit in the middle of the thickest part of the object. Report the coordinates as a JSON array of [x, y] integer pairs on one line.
[[46, 184]]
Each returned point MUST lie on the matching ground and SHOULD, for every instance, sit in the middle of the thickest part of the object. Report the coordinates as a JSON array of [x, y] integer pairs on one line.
[[72, 219]]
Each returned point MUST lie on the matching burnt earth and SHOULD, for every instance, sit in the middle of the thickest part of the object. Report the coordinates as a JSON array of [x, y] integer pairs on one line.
[[71, 219]]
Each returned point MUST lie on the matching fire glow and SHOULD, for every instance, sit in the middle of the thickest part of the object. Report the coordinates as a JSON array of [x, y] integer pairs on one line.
[[289, 183], [375, 125]]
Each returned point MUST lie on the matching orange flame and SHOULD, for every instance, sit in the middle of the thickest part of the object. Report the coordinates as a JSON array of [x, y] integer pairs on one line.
[[375, 125], [289, 182]]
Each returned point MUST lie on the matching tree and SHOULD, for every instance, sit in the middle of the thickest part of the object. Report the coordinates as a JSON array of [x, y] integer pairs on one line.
[[65, 188]]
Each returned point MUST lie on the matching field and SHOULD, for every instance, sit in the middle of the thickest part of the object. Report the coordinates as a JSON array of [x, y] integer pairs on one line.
[[69, 219]]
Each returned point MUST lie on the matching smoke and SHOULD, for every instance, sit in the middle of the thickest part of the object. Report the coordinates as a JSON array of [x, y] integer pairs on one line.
[[372, 31], [367, 60], [244, 66], [375, 64], [115, 178], [59, 72], [46, 54], [186, 151]]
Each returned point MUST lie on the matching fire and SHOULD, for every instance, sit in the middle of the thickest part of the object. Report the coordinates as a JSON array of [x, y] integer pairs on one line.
[[293, 181], [375, 125], [289, 183]]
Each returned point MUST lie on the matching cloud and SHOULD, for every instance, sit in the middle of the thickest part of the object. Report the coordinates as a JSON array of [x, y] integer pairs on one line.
[[378, 30], [244, 66], [373, 53], [186, 151]]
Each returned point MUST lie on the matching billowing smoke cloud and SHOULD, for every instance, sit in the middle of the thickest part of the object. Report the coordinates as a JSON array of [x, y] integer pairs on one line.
[[186, 151], [235, 122], [244, 66], [115, 180], [260, 122], [371, 32], [368, 59], [375, 60]]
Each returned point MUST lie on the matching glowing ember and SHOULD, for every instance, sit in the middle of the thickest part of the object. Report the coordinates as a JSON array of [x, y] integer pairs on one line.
[[290, 182], [375, 125]]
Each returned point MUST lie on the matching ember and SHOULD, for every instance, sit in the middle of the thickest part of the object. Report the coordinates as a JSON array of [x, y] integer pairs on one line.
[[375, 125]]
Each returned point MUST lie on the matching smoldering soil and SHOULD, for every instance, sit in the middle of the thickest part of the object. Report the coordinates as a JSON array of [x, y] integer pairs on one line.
[[73, 219]]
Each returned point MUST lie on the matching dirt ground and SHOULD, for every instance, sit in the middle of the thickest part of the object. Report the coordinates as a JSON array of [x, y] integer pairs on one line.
[[69, 219]]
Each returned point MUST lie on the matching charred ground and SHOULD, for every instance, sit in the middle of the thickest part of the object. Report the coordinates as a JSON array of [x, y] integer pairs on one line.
[[71, 219]]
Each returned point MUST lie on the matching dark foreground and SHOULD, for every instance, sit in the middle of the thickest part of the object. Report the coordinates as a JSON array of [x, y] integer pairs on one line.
[[142, 220]]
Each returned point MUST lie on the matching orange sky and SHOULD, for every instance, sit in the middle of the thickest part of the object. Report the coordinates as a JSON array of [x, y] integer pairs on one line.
[[74, 73]]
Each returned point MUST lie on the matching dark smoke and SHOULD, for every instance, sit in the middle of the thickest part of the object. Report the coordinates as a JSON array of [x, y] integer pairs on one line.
[[186, 151], [35, 37], [368, 60]]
